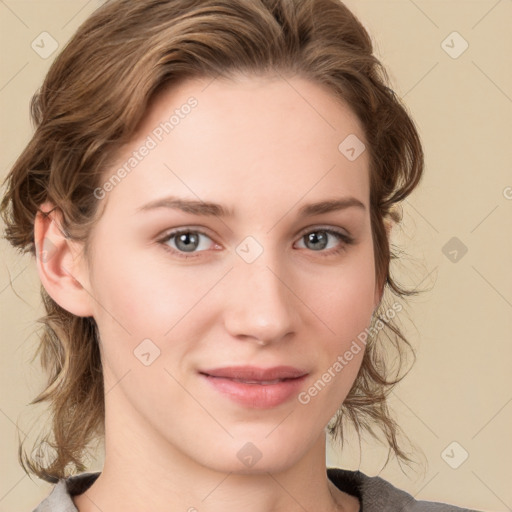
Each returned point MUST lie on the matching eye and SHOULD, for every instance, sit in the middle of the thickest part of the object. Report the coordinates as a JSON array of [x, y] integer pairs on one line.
[[186, 243], [318, 240], [181, 242]]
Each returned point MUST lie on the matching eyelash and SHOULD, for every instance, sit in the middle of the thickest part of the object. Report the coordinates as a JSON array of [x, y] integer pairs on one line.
[[344, 238]]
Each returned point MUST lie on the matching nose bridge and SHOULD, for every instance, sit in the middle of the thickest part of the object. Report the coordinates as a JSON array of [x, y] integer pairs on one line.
[[261, 305]]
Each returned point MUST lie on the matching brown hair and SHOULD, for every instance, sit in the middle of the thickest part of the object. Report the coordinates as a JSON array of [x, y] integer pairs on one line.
[[93, 98]]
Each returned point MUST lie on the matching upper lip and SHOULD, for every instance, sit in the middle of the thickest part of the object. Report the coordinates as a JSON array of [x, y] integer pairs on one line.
[[254, 373]]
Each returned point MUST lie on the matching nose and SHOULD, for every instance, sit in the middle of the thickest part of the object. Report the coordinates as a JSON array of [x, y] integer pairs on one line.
[[261, 307]]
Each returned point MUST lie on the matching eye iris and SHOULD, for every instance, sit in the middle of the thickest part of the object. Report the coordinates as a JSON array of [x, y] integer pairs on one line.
[[187, 241], [319, 242]]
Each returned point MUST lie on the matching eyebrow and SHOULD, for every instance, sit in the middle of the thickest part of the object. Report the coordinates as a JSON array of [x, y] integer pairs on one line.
[[203, 208]]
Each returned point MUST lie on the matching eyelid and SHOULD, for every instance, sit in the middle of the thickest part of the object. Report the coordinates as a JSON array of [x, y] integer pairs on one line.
[[336, 229], [187, 229]]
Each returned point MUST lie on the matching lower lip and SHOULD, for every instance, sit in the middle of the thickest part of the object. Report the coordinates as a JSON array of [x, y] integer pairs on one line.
[[260, 396]]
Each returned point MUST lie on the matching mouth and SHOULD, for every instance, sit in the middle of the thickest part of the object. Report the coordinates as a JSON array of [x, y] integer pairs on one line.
[[260, 382], [253, 387], [256, 375]]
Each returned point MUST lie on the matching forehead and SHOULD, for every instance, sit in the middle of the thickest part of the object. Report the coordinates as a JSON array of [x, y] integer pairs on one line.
[[244, 142]]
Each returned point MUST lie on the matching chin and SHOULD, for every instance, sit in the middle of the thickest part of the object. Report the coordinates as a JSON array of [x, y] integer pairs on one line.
[[253, 458]]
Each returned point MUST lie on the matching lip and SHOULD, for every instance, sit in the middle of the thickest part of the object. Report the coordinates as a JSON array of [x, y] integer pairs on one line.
[[264, 387]]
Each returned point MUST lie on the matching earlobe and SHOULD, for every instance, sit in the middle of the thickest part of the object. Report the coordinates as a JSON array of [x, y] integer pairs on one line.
[[60, 263]]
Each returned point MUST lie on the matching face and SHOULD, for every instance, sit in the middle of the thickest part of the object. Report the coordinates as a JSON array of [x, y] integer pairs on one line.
[[219, 321]]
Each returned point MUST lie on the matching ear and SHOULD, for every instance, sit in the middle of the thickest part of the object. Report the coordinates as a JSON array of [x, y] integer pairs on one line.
[[389, 226], [60, 263], [379, 290]]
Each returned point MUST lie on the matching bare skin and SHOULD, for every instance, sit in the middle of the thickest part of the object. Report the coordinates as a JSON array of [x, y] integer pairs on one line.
[[172, 440]]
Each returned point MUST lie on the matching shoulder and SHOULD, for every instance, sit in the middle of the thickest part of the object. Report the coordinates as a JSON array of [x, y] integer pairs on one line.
[[378, 495], [59, 500]]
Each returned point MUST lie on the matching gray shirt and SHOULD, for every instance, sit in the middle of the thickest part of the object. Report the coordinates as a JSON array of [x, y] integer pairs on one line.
[[374, 494]]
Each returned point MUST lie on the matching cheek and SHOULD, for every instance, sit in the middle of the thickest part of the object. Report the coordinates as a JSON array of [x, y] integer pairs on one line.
[[136, 305], [344, 302], [140, 297], [344, 297]]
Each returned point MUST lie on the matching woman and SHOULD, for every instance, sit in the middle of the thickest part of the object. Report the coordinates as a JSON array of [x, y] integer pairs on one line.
[[209, 193]]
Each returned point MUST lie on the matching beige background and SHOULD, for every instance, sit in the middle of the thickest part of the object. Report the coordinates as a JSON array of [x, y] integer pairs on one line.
[[460, 388]]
